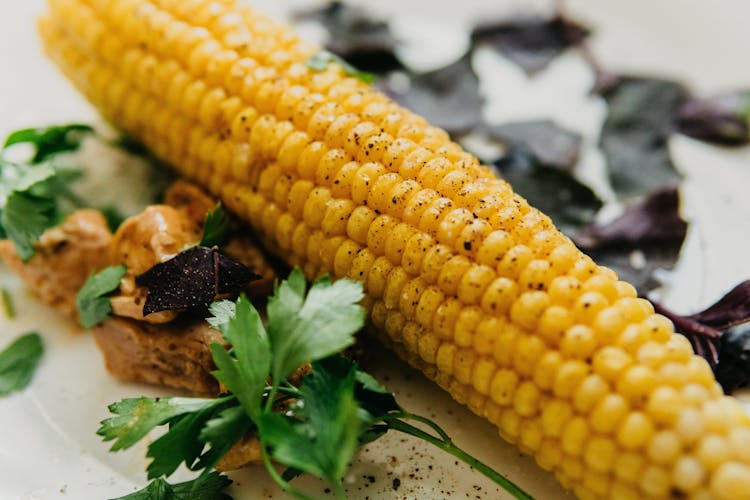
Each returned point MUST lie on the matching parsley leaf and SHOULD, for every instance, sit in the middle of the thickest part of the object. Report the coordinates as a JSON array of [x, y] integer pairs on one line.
[[244, 371], [222, 312], [49, 141], [18, 362], [223, 430], [321, 59], [136, 417], [324, 324], [27, 208], [204, 487], [91, 301], [25, 218], [180, 443], [215, 227], [324, 442]]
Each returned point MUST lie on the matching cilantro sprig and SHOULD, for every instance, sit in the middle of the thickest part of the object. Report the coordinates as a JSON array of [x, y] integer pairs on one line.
[[310, 425]]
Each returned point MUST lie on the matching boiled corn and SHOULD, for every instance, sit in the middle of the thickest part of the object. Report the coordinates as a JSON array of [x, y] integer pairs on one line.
[[464, 279]]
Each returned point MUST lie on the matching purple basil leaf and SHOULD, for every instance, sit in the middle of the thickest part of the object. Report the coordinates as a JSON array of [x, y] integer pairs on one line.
[[732, 309], [447, 97], [192, 278], [728, 352], [355, 35], [553, 191], [550, 144], [721, 119], [704, 339], [646, 237], [654, 219], [634, 137], [531, 42]]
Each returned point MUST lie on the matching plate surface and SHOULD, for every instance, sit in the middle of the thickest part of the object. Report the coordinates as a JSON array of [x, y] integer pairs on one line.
[[48, 446]]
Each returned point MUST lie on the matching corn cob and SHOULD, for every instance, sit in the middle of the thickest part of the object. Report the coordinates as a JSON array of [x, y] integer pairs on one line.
[[464, 279]]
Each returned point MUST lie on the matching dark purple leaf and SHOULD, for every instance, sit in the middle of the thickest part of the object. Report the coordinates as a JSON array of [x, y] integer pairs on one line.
[[654, 219], [553, 191], [722, 119], [531, 42], [646, 237], [732, 309], [447, 97], [355, 35], [550, 144], [721, 335], [192, 278], [634, 136]]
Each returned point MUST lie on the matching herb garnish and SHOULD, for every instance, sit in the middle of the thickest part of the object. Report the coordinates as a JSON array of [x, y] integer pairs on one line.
[[315, 427], [50, 141], [92, 301], [18, 362], [205, 487], [215, 227], [321, 59], [30, 192]]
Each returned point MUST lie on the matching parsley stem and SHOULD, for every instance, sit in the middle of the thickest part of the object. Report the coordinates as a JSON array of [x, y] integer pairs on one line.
[[338, 489], [449, 447], [284, 485], [434, 426]]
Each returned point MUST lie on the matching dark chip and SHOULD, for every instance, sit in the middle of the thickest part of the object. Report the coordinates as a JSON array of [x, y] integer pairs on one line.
[[531, 42], [634, 136], [722, 119], [192, 278], [355, 35], [447, 97]]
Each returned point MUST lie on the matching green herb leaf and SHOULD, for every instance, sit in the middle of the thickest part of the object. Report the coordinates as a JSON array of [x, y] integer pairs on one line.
[[136, 417], [325, 323], [222, 432], [204, 487], [222, 312], [18, 362], [321, 59], [25, 218], [91, 301], [50, 141], [245, 370], [215, 227], [181, 442], [324, 443], [156, 490], [373, 396]]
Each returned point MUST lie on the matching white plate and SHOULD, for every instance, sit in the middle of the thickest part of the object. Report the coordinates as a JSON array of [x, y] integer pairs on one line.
[[48, 446]]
